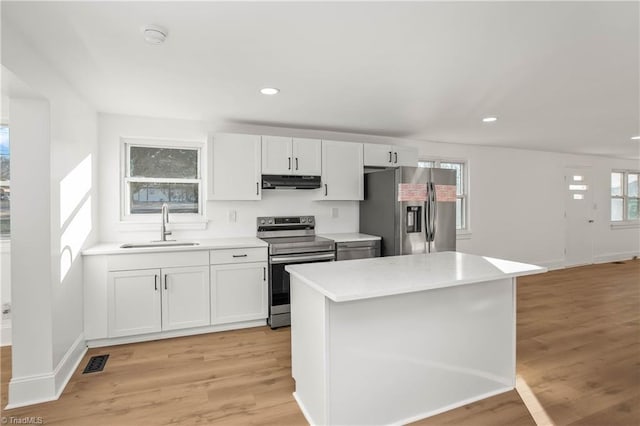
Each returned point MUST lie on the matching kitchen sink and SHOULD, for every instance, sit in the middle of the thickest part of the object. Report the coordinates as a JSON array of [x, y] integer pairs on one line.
[[151, 244]]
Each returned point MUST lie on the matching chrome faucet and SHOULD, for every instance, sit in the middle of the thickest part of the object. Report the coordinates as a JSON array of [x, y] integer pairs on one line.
[[165, 220]]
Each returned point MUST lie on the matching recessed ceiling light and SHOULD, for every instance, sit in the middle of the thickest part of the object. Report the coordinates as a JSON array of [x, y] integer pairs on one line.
[[269, 91], [489, 119], [154, 34], [635, 138]]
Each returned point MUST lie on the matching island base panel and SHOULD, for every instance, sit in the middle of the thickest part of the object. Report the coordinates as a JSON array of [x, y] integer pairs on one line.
[[396, 359]]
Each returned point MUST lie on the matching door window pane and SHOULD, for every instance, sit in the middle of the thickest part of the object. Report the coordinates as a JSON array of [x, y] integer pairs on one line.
[[148, 197], [616, 183], [632, 209], [170, 163], [632, 185], [617, 209]]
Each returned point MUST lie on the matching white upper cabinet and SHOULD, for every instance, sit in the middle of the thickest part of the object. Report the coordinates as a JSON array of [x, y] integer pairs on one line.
[[234, 167], [376, 155], [342, 171], [405, 156], [291, 156], [307, 157], [276, 155]]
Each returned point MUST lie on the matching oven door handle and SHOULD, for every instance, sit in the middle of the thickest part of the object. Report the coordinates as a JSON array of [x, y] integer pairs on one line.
[[301, 259]]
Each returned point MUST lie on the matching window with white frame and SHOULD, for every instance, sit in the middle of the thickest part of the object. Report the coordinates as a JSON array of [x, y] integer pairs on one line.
[[624, 195], [158, 173], [5, 183], [462, 214]]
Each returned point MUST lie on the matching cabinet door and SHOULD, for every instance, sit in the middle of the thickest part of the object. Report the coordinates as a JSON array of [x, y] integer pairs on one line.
[[133, 302], [238, 292], [307, 157], [234, 167], [277, 158], [342, 171], [376, 155], [405, 156], [185, 297]]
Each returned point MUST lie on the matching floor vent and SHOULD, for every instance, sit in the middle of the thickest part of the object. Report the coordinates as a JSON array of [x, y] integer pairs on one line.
[[95, 364], [618, 262]]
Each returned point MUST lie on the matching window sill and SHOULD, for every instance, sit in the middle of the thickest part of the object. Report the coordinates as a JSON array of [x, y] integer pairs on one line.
[[139, 226], [463, 234], [625, 225]]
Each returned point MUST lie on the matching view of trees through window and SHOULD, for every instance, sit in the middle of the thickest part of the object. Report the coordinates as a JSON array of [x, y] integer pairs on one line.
[[624, 196], [5, 182], [158, 175]]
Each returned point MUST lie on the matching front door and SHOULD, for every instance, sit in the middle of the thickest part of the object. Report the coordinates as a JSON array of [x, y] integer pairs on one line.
[[578, 217]]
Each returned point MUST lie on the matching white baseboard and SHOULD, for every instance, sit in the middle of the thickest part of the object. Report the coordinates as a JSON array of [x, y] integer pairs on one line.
[[31, 390], [5, 334], [98, 343], [68, 364], [615, 257]]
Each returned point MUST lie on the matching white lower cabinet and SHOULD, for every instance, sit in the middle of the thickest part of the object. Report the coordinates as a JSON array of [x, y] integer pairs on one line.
[[153, 300], [238, 292], [134, 302], [143, 296], [185, 297]]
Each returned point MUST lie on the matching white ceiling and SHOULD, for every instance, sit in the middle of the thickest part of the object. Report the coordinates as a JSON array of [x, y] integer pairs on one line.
[[560, 76]]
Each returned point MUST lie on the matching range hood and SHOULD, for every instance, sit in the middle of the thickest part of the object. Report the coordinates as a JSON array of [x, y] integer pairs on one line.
[[290, 182]]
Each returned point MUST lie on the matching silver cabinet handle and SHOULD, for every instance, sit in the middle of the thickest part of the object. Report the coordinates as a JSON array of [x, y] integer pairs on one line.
[[395, 155], [264, 274], [239, 255], [156, 281], [325, 190], [257, 188], [390, 156], [165, 282], [289, 163], [296, 163]]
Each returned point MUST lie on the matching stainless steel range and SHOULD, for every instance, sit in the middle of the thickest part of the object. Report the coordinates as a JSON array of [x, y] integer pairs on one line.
[[292, 239]]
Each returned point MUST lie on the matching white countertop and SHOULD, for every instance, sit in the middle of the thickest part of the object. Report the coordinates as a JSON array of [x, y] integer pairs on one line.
[[386, 276], [350, 237], [208, 244]]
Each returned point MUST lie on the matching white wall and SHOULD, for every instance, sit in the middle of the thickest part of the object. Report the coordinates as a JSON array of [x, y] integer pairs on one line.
[[517, 203], [112, 128], [516, 196], [71, 133]]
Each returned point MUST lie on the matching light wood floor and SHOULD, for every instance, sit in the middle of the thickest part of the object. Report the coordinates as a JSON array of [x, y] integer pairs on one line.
[[578, 351]]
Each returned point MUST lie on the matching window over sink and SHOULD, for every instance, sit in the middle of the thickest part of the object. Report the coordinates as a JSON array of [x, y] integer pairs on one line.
[[158, 172]]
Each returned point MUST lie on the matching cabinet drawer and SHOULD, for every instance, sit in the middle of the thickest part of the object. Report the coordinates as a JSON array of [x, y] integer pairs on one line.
[[240, 255], [125, 262]]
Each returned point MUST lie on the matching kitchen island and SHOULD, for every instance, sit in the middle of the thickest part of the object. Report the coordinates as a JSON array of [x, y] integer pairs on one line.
[[395, 339]]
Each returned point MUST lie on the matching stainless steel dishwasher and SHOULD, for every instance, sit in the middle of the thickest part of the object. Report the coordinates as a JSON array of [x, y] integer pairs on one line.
[[357, 250]]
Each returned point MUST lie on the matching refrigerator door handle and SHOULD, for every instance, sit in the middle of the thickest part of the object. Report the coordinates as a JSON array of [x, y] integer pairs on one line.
[[427, 222], [434, 206]]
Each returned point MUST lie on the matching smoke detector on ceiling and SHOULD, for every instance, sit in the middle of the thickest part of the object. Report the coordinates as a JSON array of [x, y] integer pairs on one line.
[[154, 34]]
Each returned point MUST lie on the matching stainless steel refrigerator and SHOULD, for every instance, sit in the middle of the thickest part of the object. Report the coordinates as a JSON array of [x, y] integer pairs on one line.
[[413, 209]]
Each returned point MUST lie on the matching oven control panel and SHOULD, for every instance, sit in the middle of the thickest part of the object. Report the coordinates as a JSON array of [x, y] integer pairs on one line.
[[285, 221]]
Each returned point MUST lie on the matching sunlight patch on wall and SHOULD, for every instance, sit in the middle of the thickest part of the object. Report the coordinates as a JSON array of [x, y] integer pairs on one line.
[[74, 237], [73, 188], [75, 213]]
